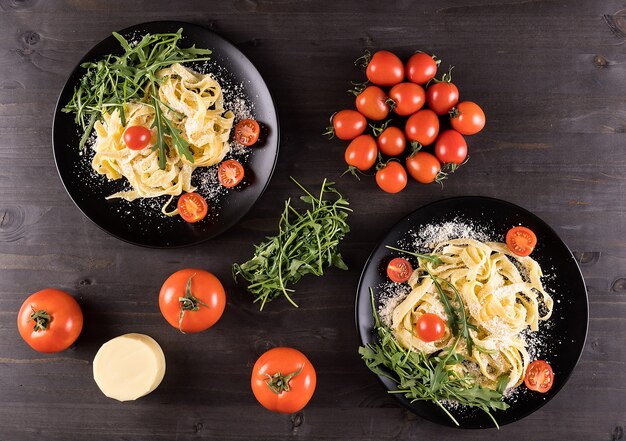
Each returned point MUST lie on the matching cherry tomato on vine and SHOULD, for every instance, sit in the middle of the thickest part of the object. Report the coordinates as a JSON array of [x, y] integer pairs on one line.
[[192, 300], [391, 141], [385, 69], [347, 124], [392, 177], [50, 320], [408, 98], [137, 137], [521, 241], [539, 376], [422, 127], [423, 167], [361, 152], [442, 96], [283, 380], [230, 173], [430, 327], [467, 118], [372, 103], [192, 207], [421, 68], [247, 132], [399, 270], [450, 147]]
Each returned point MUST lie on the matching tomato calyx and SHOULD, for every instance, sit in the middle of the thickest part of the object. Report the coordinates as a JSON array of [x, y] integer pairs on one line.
[[378, 129], [363, 60], [330, 130], [446, 77], [188, 303], [41, 318], [279, 383], [454, 112], [416, 146], [358, 88]]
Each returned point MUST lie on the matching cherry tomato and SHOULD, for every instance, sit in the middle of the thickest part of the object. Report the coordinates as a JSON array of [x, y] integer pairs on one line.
[[399, 270], [192, 207], [409, 98], [421, 68], [521, 241], [391, 141], [283, 380], [372, 103], [392, 177], [247, 132], [430, 327], [539, 376], [192, 300], [423, 167], [467, 118], [451, 147], [137, 137], [441, 97], [361, 152], [385, 69], [50, 320], [347, 124], [230, 173], [422, 126]]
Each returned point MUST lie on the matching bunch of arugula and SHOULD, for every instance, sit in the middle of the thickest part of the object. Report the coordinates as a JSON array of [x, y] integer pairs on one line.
[[306, 243], [116, 80]]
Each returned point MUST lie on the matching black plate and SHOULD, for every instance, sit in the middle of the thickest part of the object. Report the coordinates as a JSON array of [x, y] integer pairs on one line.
[[568, 324], [128, 221]]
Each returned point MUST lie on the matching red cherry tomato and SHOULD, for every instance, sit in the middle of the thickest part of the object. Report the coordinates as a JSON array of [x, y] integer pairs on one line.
[[441, 97], [391, 141], [421, 68], [451, 147], [521, 241], [137, 137], [423, 167], [247, 132], [399, 270], [347, 124], [467, 118], [192, 207], [408, 97], [539, 376], [392, 177], [361, 152], [385, 69], [422, 127], [372, 103], [430, 327], [230, 173]]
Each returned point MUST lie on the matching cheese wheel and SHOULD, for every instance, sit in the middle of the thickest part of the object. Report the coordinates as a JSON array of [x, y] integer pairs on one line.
[[129, 367]]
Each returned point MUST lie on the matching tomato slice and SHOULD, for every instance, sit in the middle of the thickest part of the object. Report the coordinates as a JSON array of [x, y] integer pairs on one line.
[[192, 207], [230, 173], [539, 376], [399, 270], [521, 241], [137, 137], [247, 132], [430, 327]]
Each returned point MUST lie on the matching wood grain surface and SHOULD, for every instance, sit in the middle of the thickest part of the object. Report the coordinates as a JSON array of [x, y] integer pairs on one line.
[[551, 76]]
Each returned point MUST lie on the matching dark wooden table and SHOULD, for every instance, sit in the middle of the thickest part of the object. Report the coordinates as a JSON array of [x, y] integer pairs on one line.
[[551, 76]]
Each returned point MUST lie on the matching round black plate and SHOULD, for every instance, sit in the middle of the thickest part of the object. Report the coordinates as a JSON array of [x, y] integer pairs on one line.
[[128, 221], [568, 324]]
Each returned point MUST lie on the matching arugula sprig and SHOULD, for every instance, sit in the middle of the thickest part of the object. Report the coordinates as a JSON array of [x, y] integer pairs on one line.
[[306, 243], [118, 79]]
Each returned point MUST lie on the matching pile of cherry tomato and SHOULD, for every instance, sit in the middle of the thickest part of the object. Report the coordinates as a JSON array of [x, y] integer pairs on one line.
[[406, 109]]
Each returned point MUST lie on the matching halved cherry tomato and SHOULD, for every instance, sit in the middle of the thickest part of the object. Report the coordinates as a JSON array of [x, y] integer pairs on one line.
[[391, 141], [385, 69], [230, 173], [392, 177], [421, 68], [137, 137], [423, 167], [430, 327], [247, 132], [408, 97], [399, 270], [347, 124], [442, 96], [361, 152], [539, 376], [422, 127], [50, 320], [521, 241], [450, 147], [192, 207], [372, 103], [467, 118]]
